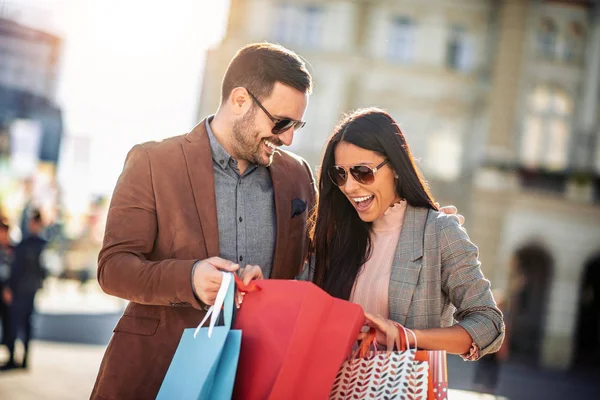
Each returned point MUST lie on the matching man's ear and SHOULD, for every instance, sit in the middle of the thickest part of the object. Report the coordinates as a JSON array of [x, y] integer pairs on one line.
[[239, 100]]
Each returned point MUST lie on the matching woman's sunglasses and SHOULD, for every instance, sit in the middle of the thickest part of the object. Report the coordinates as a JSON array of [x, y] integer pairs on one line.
[[281, 124], [361, 173]]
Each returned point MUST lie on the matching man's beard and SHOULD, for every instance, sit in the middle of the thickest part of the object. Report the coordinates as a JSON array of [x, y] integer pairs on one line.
[[246, 143]]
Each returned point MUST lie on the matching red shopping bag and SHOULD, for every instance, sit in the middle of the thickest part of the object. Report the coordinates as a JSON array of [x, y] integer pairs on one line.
[[296, 337]]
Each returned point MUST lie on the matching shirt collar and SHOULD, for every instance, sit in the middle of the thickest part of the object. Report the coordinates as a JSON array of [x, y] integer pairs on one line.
[[219, 154]]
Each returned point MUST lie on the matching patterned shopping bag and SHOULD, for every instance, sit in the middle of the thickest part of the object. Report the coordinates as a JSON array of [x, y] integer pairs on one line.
[[406, 374]]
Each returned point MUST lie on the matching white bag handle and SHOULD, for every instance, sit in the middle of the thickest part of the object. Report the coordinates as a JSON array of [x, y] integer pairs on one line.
[[215, 309]]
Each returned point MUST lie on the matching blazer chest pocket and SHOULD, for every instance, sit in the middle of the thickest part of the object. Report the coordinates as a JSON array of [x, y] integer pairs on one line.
[[143, 326]]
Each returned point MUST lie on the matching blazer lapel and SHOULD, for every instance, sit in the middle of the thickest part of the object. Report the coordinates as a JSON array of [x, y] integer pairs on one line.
[[198, 158], [283, 212], [407, 263]]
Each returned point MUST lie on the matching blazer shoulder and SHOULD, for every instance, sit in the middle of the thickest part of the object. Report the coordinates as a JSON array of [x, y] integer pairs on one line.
[[163, 146], [292, 159], [440, 221], [164, 152], [295, 163]]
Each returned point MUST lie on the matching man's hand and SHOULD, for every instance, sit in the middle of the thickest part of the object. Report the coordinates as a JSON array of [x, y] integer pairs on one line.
[[207, 277], [247, 274], [451, 210]]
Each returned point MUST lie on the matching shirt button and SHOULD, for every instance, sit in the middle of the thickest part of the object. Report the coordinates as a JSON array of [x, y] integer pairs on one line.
[[241, 219], [241, 258], [222, 162]]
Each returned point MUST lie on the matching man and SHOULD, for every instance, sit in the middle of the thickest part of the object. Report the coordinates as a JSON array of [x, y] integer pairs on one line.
[[26, 277], [223, 197]]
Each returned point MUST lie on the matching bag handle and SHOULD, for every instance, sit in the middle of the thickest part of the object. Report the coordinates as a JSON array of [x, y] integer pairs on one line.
[[251, 287], [363, 350], [224, 297], [371, 340], [405, 344]]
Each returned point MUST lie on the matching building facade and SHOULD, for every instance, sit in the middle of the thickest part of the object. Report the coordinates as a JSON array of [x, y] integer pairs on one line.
[[499, 103]]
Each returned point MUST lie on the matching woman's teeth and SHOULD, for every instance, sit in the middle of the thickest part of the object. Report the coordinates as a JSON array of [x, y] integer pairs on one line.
[[360, 199]]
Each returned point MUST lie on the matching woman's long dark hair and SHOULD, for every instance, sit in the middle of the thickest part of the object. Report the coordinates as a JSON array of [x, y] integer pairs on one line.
[[341, 240]]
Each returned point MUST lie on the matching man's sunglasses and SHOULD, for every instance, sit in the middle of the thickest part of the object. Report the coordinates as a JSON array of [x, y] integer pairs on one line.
[[281, 124], [361, 173]]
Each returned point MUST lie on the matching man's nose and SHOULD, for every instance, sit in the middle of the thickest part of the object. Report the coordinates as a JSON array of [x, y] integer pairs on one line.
[[287, 137]]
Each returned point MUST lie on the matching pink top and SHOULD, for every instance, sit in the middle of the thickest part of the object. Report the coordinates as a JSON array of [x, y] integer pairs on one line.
[[371, 286]]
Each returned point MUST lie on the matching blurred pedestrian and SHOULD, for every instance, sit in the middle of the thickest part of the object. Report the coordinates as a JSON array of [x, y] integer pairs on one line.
[[28, 207], [6, 253], [26, 277]]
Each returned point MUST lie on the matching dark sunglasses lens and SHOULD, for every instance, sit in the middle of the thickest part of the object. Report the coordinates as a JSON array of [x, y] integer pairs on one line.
[[337, 175], [362, 174], [282, 126]]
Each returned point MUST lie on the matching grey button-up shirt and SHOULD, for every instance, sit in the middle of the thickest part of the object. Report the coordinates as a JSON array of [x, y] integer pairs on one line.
[[245, 209]]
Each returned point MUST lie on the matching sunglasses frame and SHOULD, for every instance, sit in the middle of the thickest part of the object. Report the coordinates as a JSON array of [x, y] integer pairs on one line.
[[348, 172], [292, 122]]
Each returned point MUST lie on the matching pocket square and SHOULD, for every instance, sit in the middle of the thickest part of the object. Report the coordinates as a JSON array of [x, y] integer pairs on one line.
[[298, 207]]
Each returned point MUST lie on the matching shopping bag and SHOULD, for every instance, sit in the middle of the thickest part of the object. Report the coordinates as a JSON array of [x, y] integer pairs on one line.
[[296, 336], [406, 374], [205, 362]]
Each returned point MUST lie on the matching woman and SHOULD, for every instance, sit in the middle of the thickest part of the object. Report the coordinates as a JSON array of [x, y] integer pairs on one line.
[[380, 241]]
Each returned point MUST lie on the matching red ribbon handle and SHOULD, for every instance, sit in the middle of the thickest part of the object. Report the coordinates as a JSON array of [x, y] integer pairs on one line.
[[251, 287]]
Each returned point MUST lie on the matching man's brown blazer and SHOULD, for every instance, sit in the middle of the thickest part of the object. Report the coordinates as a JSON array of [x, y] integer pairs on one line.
[[162, 219]]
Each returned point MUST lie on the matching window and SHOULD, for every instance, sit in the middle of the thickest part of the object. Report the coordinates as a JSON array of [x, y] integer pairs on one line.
[[574, 43], [300, 25], [547, 38], [459, 51], [444, 153], [402, 40], [313, 17], [547, 129]]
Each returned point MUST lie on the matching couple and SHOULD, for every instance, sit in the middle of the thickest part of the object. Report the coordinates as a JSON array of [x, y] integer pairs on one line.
[[224, 197]]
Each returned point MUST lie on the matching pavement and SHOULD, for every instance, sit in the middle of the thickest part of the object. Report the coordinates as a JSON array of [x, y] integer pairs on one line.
[[58, 371]]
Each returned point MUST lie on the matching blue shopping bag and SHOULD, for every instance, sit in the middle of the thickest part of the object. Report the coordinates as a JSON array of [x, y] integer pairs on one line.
[[205, 362]]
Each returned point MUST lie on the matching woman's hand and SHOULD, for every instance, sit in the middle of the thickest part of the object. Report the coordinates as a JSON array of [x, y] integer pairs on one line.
[[387, 331]]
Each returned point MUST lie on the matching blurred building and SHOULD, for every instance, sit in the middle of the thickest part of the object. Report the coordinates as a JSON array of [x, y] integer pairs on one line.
[[29, 66], [535, 195], [499, 102]]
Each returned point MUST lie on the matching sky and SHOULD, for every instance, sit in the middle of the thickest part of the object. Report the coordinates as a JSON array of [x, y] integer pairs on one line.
[[131, 70]]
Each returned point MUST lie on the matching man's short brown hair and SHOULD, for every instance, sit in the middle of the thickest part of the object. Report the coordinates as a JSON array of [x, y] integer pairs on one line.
[[258, 66]]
